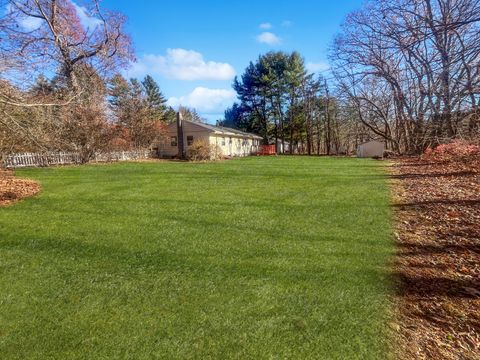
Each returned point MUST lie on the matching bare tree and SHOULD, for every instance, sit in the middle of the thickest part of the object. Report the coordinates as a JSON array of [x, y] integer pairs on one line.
[[412, 68], [48, 34], [48, 37]]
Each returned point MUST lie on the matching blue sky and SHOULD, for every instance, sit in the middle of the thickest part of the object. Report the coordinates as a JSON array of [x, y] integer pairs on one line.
[[193, 49]]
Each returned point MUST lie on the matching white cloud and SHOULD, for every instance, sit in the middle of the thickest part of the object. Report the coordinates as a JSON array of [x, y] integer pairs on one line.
[[89, 22], [265, 26], [287, 23], [269, 38], [30, 23], [205, 100], [182, 64], [138, 69], [317, 67]]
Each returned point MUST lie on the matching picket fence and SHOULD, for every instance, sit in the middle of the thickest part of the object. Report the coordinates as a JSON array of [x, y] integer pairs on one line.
[[122, 155], [65, 158]]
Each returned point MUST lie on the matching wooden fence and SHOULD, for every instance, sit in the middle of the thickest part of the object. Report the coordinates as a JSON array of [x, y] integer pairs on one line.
[[267, 150], [64, 158]]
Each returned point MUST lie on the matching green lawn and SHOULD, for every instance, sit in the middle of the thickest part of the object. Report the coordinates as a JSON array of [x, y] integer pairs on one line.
[[256, 258]]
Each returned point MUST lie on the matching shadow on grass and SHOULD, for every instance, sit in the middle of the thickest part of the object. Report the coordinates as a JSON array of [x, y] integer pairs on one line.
[[162, 262]]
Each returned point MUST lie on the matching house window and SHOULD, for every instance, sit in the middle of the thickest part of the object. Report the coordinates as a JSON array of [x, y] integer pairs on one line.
[[223, 141], [189, 140], [231, 140], [173, 141]]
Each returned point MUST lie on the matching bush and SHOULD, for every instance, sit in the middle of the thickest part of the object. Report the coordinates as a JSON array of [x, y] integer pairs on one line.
[[457, 150], [202, 150], [388, 154]]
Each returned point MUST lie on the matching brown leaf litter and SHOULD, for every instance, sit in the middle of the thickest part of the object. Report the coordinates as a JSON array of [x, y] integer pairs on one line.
[[13, 189], [437, 265]]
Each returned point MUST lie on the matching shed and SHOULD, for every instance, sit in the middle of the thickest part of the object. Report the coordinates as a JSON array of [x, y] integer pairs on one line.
[[280, 146], [373, 148]]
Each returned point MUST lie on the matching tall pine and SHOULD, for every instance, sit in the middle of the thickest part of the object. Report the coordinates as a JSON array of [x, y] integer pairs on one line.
[[155, 99]]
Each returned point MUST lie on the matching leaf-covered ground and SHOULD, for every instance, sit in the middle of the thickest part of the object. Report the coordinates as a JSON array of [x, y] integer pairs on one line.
[[438, 264], [13, 189]]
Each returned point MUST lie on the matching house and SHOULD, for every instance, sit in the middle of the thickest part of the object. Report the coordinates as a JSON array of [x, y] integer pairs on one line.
[[231, 142], [372, 148]]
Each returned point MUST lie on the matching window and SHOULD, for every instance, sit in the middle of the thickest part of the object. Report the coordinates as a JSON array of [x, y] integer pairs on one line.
[[231, 140], [223, 141], [189, 140], [173, 141]]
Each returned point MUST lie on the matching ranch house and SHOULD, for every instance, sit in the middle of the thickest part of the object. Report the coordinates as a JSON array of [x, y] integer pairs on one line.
[[182, 133]]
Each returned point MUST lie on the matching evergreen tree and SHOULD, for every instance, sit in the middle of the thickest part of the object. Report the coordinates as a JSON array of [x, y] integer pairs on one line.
[[136, 93], [235, 118], [133, 114], [252, 93], [170, 115], [268, 91], [154, 97], [118, 91]]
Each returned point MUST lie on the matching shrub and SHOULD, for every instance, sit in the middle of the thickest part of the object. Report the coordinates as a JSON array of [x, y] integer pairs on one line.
[[202, 150], [457, 150]]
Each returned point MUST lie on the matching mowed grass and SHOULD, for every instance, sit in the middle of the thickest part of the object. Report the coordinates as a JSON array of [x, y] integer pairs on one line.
[[255, 258]]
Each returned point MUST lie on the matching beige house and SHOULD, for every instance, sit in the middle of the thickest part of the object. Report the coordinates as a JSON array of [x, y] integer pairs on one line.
[[372, 148], [181, 134]]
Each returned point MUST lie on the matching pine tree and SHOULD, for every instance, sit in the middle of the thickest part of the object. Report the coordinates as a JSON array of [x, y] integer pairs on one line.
[[136, 91], [155, 99], [118, 91], [129, 104], [170, 115]]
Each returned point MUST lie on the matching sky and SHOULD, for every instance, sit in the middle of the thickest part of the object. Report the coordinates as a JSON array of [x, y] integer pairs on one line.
[[193, 49]]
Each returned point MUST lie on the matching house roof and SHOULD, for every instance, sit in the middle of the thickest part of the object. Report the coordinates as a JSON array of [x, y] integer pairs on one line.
[[238, 132], [224, 130]]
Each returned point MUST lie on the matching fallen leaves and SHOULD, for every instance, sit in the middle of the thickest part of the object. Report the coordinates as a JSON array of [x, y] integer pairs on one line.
[[13, 189], [472, 291], [438, 258]]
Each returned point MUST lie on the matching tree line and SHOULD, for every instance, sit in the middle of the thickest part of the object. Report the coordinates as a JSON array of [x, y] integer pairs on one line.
[[290, 107], [404, 72], [411, 70]]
